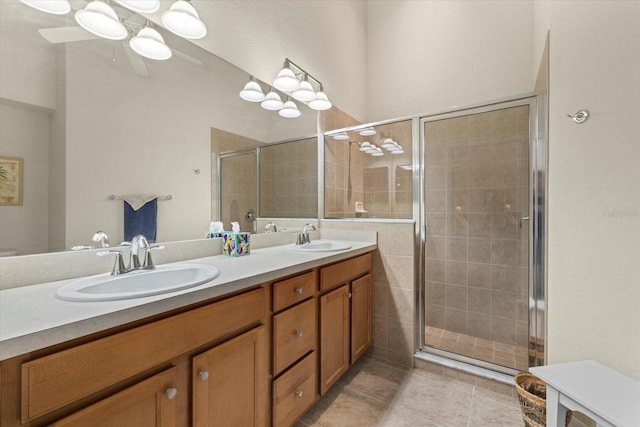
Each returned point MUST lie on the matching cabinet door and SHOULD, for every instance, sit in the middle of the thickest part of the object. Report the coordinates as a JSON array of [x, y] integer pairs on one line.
[[151, 402], [361, 316], [230, 382], [334, 336]]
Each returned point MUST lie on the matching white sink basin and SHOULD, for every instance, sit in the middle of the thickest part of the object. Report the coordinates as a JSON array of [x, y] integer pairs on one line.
[[136, 284], [323, 246]]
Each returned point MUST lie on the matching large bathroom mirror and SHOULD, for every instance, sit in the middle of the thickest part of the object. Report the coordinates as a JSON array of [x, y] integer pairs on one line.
[[368, 172], [90, 119]]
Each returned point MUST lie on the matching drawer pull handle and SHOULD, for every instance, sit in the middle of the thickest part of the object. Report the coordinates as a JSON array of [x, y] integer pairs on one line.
[[299, 291], [203, 375], [299, 334], [299, 394], [171, 393]]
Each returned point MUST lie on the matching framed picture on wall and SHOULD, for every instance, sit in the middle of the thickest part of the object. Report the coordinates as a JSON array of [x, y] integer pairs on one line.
[[11, 181]]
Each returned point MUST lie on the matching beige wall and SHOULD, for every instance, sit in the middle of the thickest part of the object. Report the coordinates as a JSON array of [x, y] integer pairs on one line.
[[424, 57], [594, 193], [24, 133]]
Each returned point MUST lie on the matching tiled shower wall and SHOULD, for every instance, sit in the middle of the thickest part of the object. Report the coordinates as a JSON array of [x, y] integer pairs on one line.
[[477, 244], [289, 180]]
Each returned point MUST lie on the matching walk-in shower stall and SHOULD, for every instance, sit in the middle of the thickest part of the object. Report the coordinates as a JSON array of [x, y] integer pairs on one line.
[[482, 235]]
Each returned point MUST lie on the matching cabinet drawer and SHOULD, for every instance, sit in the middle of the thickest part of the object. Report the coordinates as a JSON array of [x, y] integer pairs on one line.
[[291, 291], [54, 381], [344, 271], [151, 402], [294, 334], [294, 392]]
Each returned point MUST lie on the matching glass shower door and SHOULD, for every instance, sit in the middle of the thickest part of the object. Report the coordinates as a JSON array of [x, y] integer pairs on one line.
[[477, 246], [238, 195]]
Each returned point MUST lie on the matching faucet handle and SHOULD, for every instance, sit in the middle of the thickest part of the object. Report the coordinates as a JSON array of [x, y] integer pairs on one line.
[[148, 262], [118, 265]]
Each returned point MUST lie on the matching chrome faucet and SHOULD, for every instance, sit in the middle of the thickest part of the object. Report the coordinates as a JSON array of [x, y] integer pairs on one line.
[[271, 228], [101, 236], [303, 236], [140, 256]]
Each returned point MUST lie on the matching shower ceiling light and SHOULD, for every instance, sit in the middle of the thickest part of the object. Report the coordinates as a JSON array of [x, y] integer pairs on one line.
[[341, 136], [252, 92], [321, 101], [54, 7], [289, 110], [140, 6], [150, 44], [183, 19], [272, 102], [286, 80], [367, 131], [100, 19]]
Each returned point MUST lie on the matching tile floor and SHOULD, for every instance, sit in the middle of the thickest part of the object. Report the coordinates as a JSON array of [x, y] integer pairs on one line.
[[502, 354], [374, 393]]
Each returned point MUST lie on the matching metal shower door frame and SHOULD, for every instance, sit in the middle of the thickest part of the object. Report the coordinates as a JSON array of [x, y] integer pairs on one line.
[[537, 231]]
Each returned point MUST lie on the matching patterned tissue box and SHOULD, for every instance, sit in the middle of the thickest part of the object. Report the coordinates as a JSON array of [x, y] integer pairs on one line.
[[236, 244]]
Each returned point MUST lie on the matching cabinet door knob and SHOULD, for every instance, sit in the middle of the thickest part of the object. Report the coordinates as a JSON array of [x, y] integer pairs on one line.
[[299, 291], [299, 334], [171, 393], [299, 394], [203, 375]]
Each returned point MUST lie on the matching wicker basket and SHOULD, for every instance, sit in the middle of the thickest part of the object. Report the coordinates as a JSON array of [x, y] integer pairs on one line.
[[532, 394]]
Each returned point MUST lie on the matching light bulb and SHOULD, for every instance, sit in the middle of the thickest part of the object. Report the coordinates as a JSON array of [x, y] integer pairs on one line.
[[252, 92], [289, 110], [100, 19], [286, 80], [321, 102], [150, 44], [54, 7], [183, 19], [272, 102]]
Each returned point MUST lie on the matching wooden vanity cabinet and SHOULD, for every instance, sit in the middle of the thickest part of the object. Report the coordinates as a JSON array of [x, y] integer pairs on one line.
[[143, 370], [346, 316], [295, 343], [151, 402], [230, 382]]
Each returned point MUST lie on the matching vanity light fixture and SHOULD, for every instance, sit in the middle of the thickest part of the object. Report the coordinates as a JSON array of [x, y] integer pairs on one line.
[[140, 6], [150, 44], [289, 110], [388, 144], [252, 91], [365, 146], [286, 80], [378, 152], [367, 131], [341, 136], [320, 102], [54, 7], [398, 150], [272, 102], [100, 19], [305, 92], [183, 19]]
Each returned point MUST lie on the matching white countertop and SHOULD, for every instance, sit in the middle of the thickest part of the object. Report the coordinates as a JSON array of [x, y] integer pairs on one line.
[[32, 318]]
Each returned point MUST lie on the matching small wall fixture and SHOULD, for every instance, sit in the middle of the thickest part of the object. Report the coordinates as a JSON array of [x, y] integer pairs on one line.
[[272, 102], [286, 80], [289, 110]]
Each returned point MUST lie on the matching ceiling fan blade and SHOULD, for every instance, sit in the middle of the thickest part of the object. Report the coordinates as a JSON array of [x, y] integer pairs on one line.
[[66, 34], [187, 57], [136, 61]]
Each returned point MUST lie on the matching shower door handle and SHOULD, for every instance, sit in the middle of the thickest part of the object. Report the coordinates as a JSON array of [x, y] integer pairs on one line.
[[523, 219]]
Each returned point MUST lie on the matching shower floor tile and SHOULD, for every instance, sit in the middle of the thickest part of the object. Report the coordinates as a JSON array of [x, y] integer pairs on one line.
[[502, 354]]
